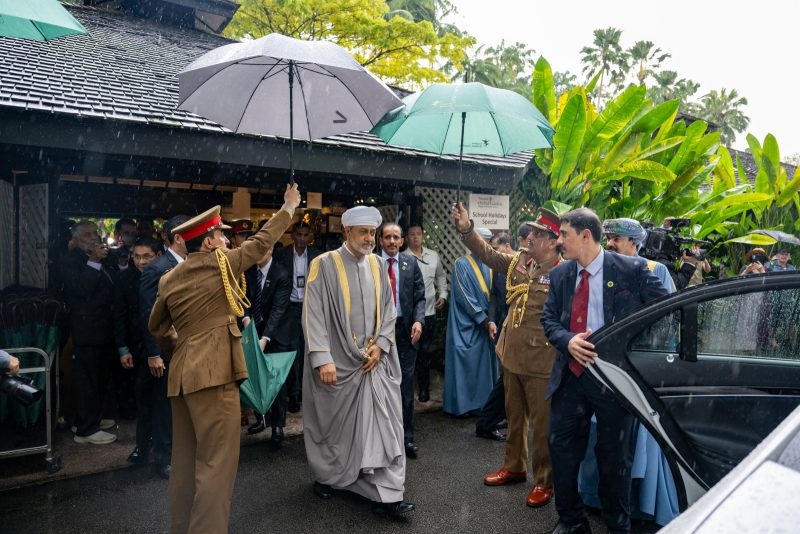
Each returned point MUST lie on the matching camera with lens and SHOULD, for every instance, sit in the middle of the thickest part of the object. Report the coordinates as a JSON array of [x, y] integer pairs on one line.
[[20, 388], [758, 257], [666, 244], [700, 255]]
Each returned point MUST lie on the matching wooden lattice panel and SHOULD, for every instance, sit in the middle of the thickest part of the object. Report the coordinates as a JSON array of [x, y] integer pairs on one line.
[[33, 235], [440, 234], [6, 234], [520, 209]]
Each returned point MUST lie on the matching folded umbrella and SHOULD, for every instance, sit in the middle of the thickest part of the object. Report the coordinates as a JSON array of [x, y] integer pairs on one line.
[[267, 372]]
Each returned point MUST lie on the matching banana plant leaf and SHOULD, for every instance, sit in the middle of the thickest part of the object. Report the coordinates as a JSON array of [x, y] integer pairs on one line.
[[267, 372]]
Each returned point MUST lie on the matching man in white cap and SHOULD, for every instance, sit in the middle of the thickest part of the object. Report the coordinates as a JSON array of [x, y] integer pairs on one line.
[[470, 368], [193, 319], [352, 413]]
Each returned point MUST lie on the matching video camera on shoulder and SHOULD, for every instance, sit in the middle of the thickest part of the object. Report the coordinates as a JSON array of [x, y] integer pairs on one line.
[[666, 244]]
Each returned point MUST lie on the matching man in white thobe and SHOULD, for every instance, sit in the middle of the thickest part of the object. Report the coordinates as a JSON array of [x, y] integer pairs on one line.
[[352, 415]]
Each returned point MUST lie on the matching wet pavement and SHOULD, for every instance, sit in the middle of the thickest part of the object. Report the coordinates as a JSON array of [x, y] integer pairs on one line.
[[273, 494]]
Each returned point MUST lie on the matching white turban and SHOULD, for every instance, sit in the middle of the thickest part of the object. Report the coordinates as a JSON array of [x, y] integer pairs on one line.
[[362, 216], [485, 233]]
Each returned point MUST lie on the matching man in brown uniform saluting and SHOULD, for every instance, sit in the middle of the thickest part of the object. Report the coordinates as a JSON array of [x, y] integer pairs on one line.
[[194, 319], [523, 349]]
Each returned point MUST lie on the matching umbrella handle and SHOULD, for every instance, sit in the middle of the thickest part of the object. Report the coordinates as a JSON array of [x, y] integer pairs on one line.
[[461, 156]]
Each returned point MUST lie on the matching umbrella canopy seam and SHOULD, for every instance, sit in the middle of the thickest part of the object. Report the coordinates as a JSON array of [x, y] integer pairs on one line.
[[244, 110]]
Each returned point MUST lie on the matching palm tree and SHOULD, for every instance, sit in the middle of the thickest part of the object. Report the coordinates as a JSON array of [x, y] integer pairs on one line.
[[667, 86], [503, 66], [564, 81], [606, 56], [646, 58], [723, 109]]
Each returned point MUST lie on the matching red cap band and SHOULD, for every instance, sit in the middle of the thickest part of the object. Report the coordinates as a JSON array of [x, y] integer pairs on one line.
[[555, 228], [201, 229]]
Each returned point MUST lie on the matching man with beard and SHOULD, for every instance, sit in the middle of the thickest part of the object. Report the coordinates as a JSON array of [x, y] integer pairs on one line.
[[526, 355], [626, 237], [352, 419]]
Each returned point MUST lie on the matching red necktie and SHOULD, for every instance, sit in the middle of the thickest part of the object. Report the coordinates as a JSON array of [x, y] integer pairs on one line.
[[392, 279], [579, 316]]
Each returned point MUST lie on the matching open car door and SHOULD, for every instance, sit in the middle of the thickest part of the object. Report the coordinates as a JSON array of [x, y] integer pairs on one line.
[[710, 371]]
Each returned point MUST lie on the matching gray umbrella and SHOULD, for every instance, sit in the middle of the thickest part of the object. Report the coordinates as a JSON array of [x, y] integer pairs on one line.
[[277, 85], [781, 237]]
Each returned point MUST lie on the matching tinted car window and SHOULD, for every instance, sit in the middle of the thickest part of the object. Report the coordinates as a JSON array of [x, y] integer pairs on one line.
[[763, 324]]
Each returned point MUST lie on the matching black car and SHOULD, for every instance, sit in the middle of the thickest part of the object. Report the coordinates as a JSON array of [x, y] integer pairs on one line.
[[710, 371]]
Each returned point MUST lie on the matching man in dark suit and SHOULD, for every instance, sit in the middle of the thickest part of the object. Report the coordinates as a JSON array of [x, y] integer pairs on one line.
[[488, 423], [154, 384], [408, 289], [295, 260], [88, 289], [268, 290], [589, 291], [128, 339]]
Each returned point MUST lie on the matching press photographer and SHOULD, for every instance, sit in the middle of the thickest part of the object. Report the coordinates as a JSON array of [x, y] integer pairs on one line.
[[756, 262], [666, 245]]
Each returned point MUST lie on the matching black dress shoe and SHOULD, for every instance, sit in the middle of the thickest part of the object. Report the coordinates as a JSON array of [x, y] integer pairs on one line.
[[411, 450], [137, 457], [294, 404], [494, 435], [424, 395], [323, 491], [277, 436], [259, 426], [392, 509], [163, 470], [580, 528]]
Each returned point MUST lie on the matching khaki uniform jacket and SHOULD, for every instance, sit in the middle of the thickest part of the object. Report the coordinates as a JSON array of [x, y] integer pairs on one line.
[[523, 350], [193, 321]]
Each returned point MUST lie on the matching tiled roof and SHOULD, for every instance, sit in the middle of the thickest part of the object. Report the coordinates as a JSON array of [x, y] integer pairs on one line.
[[751, 168], [126, 70]]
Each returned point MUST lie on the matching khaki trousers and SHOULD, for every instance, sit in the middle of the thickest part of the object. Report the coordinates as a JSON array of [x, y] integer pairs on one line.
[[525, 403], [205, 457]]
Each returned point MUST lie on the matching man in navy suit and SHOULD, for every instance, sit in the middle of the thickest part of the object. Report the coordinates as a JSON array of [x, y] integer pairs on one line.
[[268, 288], [591, 290], [296, 260], [154, 386], [408, 289]]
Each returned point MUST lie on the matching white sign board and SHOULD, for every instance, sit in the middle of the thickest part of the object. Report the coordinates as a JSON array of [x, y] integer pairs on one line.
[[489, 211]]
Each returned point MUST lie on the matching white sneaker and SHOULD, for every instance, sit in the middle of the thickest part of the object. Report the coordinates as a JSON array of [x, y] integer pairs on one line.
[[105, 424], [98, 438]]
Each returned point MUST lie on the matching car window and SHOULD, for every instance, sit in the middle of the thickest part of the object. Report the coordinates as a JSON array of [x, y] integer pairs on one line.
[[661, 336], [762, 324]]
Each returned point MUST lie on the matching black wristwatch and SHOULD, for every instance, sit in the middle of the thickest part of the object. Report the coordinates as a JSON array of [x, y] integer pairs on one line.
[[469, 230]]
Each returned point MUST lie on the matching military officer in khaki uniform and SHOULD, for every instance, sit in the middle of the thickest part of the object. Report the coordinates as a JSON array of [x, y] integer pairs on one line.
[[194, 319], [523, 349]]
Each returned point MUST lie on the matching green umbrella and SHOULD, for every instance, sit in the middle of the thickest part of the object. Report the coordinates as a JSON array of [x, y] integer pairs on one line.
[[40, 20], [267, 372], [469, 118]]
